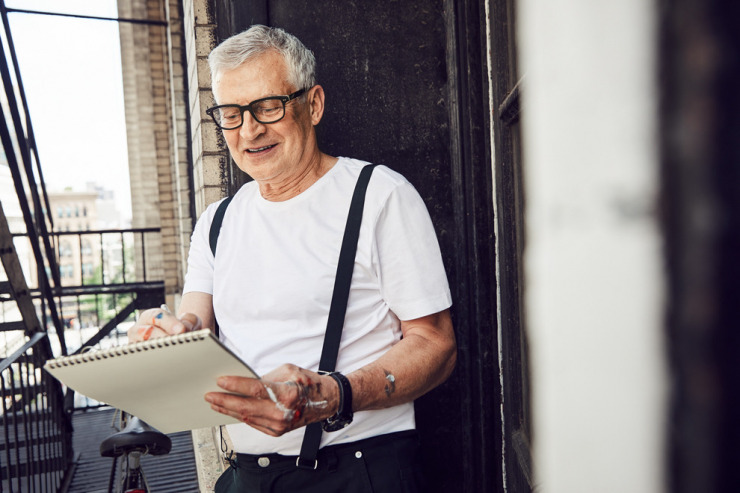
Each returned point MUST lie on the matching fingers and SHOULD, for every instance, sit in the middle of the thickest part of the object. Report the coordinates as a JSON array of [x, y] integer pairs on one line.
[[156, 322], [249, 401], [273, 407], [144, 332], [261, 414], [260, 423], [191, 322], [249, 387]]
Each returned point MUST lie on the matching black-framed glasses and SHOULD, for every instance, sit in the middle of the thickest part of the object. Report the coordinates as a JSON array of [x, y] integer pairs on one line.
[[264, 110]]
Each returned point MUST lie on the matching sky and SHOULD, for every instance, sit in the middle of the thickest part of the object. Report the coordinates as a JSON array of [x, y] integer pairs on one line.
[[71, 72]]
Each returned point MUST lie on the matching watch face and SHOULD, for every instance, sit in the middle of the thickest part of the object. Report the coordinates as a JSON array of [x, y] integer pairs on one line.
[[335, 423]]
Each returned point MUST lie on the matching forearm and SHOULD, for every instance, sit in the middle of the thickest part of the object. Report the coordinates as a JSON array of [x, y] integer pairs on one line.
[[200, 304], [290, 397], [419, 362]]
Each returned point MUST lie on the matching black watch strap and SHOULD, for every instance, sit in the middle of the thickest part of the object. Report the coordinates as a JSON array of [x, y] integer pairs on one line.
[[344, 414]]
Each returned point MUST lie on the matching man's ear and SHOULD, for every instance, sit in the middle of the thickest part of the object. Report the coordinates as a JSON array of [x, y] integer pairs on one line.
[[315, 99]]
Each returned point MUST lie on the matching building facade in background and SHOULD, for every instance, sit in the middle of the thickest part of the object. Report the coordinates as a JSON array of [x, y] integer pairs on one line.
[[78, 256]]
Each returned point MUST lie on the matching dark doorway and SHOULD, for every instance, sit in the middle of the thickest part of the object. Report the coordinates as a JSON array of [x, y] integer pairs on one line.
[[424, 60]]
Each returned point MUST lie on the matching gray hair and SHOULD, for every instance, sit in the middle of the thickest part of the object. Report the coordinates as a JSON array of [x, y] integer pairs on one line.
[[258, 40]]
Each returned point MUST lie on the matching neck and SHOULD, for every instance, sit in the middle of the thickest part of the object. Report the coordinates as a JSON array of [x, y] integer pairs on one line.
[[299, 182]]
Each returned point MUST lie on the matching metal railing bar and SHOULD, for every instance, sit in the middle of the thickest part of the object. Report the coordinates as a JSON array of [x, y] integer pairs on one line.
[[47, 419], [52, 447], [123, 258], [143, 255], [36, 415], [34, 339], [101, 231], [115, 330], [79, 310], [97, 311], [129, 287], [150, 22], [102, 261], [91, 406], [97, 231], [11, 374], [40, 424], [25, 399], [82, 272], [6, 426]]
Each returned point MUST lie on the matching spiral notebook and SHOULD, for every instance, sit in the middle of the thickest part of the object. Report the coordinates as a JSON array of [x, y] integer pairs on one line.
[[161, 381]]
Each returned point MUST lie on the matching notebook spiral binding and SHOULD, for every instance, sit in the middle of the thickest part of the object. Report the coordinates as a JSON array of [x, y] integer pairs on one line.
[[136, 347]]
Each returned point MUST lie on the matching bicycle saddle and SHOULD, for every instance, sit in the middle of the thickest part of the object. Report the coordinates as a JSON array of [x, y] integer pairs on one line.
[[137, 435]]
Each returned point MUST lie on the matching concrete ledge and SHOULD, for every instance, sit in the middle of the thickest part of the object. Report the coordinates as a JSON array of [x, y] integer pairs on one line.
[[208, 458]]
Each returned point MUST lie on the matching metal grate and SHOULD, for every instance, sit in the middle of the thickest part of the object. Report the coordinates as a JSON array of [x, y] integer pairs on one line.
[[172, 473]]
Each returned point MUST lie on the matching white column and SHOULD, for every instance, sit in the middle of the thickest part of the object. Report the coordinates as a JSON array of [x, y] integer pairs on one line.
[[594, 269]]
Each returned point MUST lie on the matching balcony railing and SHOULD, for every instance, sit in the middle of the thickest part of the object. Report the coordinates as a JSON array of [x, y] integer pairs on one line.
[[35, 432], [99, 259], [99, 270], [107, 275]]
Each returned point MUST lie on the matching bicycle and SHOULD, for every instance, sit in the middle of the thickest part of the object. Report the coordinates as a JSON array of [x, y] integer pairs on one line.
[[135, 439]]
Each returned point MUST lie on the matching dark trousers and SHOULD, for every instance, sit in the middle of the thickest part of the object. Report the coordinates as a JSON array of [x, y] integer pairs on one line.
[[383, 464]]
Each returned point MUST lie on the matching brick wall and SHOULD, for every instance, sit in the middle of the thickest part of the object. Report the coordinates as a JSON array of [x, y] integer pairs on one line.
[[210, 157], [210, 175], [182, 218], [156, 102]]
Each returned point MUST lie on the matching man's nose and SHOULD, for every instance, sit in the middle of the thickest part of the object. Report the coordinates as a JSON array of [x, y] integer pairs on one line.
[[250, 128]]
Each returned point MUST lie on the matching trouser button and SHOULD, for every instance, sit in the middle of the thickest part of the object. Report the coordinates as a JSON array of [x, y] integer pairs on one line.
[[263, 461]]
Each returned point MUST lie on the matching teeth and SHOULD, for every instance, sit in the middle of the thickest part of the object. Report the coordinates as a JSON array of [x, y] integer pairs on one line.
[[258, 150]]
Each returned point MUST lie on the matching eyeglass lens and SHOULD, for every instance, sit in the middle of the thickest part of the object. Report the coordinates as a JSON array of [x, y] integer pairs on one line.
[[267, 110]]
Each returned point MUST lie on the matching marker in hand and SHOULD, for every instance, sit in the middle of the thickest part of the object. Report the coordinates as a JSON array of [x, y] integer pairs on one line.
[[162, 322], [148, 331]]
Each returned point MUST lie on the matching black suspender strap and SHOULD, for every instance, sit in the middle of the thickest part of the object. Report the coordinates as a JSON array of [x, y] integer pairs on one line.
[[218, 219], [343, 279], [338, 308]]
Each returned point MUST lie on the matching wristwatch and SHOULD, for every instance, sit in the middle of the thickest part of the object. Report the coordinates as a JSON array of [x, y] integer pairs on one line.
[[343, 416]]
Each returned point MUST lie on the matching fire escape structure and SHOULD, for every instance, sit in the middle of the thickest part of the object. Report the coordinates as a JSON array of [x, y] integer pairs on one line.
[[38, 415]]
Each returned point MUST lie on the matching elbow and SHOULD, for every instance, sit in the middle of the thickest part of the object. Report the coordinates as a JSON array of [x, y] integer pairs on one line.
[[450, 359], [448, 346]]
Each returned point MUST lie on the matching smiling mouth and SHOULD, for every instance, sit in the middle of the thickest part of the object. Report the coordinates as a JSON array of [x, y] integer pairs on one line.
[[260, 149]]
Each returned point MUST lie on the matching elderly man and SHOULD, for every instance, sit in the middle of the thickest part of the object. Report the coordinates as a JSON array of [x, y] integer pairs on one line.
[[270, 287]]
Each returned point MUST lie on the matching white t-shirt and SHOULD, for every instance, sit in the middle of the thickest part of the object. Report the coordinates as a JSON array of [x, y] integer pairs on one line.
[[273, 276]]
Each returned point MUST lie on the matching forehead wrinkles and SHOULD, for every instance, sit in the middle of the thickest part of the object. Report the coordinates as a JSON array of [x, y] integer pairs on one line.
[[264, 75]]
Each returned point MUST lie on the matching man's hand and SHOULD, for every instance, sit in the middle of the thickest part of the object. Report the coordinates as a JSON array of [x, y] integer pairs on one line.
[[287, 398], [158, 322]]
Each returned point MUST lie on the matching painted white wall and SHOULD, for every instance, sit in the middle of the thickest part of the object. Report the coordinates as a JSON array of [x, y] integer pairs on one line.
[[594, 272]]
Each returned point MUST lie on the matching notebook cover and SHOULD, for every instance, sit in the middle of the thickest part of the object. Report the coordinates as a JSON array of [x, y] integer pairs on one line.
[[161, 381]]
